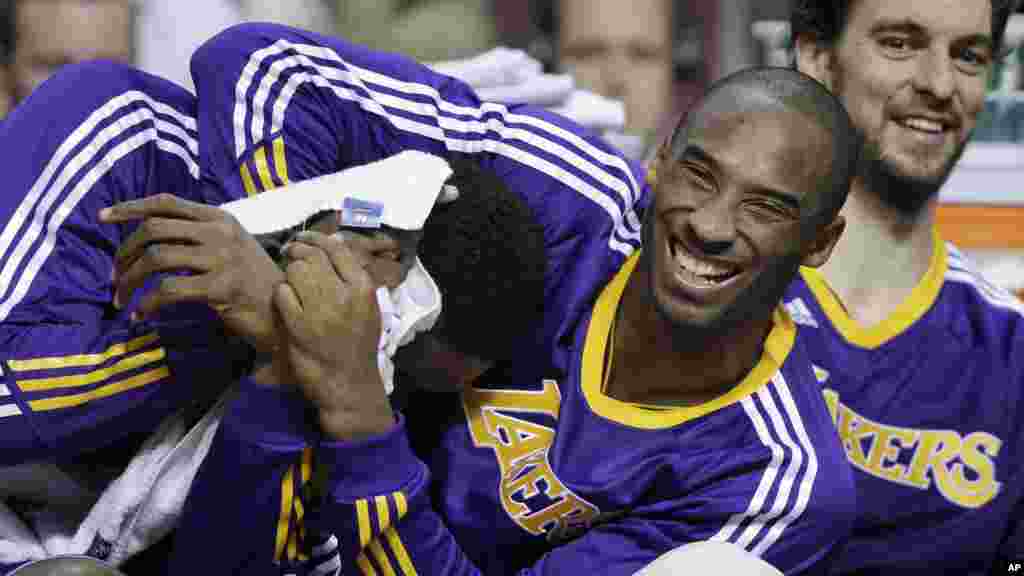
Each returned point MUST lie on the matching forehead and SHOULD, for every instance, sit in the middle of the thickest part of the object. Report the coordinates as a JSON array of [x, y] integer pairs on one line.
[[615, 20], [99, 28], [951, 18], [770, 146]]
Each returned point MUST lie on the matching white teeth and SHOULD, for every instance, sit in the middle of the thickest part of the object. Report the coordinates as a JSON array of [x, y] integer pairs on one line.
[[923, 124], [699, 267]]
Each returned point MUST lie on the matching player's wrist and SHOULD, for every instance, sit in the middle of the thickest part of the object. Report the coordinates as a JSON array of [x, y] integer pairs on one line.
[[346, 425]]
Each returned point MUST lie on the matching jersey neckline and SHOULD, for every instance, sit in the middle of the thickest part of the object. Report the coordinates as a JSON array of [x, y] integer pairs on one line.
[[656, 416], [916, 304]]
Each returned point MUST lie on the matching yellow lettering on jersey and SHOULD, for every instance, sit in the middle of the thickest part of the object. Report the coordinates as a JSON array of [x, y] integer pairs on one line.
[[938, 457], [882, 460], [976, 451], [531, 493]]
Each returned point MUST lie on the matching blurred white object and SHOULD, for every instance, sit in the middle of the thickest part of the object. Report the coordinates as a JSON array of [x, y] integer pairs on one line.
[[499, 66], [509, 76], [542, 90], [593, 110], [709, 558]]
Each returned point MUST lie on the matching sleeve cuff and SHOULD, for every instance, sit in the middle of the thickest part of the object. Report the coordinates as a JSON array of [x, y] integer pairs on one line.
[[376, 465], [274, 417]]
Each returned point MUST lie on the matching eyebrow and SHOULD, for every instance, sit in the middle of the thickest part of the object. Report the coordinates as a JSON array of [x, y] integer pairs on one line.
[[695, 152], [908, 26]]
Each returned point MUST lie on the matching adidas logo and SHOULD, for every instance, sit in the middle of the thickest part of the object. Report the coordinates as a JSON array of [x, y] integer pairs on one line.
[[800, 313]]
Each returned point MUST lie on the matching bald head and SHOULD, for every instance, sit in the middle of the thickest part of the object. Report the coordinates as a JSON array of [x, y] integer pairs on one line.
[[786, 91]]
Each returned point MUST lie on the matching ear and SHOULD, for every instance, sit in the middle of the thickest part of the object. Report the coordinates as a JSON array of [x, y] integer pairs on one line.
[[818, 252], [814, 58]]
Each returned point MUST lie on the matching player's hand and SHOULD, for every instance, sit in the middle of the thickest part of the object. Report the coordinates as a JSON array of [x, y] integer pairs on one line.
[[332, 326], [232, 273]]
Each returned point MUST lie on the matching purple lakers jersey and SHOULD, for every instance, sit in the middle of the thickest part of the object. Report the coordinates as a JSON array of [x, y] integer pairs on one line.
[[929, 408]]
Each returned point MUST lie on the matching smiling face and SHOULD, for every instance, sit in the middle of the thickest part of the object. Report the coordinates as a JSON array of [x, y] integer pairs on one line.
[[913, 76], [723, 238]]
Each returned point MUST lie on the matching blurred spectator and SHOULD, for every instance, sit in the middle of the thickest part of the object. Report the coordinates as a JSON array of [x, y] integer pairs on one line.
[[621, 50], [48, 34], [427, 30]]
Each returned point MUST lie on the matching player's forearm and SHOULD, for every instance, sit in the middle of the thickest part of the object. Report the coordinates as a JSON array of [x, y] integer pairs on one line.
[[244, 512], [70, 388], [379, 500]]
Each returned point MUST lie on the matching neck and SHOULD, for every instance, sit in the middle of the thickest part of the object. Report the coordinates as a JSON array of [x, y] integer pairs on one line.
[[650, 354], [879, 243]]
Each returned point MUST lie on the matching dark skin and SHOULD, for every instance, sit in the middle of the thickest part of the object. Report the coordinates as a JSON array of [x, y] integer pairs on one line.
[[231, 271], [739, 197]]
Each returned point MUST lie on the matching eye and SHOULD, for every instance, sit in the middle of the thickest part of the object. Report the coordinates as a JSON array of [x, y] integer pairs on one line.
[[699, 176], [972, 60], [393, 255], [896, 46], [768, 209]]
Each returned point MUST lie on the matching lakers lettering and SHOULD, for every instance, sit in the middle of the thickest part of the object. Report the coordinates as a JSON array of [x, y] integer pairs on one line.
[[961, 468], [531, 494]]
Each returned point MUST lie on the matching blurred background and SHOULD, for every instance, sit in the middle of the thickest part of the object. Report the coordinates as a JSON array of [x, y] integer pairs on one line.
[[655, 56]]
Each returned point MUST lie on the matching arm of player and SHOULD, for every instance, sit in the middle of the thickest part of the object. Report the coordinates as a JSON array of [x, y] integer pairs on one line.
[[245, 510], [75, 374]]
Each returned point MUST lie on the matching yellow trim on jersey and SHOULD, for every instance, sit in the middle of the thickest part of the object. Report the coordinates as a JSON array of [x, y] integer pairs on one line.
[[247, 181], [906, 314], [259, 158], [280, 163], [383, 515], [284, 519], [382, 558], [78, 360], [401, 554], [401, 504], [363, 518], [364, 564], [79, 380], [652, 417], [307, 465], [137, 381]]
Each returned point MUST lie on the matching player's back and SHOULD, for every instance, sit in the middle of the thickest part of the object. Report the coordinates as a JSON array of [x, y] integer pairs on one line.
[[928, 406]]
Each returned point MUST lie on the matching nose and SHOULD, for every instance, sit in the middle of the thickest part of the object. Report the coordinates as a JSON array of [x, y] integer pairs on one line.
[[713, 226], [613, 73], [934, 75]]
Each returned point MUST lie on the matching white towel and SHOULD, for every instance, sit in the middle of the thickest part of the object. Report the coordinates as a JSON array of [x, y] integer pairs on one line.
[[405, 186], [136, 510]]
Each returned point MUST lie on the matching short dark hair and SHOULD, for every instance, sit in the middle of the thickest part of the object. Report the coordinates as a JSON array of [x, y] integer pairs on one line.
[[801, 93], [487, 254], [824, 20]]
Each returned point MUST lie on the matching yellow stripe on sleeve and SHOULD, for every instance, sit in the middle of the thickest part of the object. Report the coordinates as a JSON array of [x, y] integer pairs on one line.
[[383, 514], [79, 380], [250, 186], [293, 546], [364, 564], [382, 558], [136, 381], [279, 160], [307, 465], [284, 520], [363, 516], [83, 359], [263, 168], [401, 554], [400, 504]]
